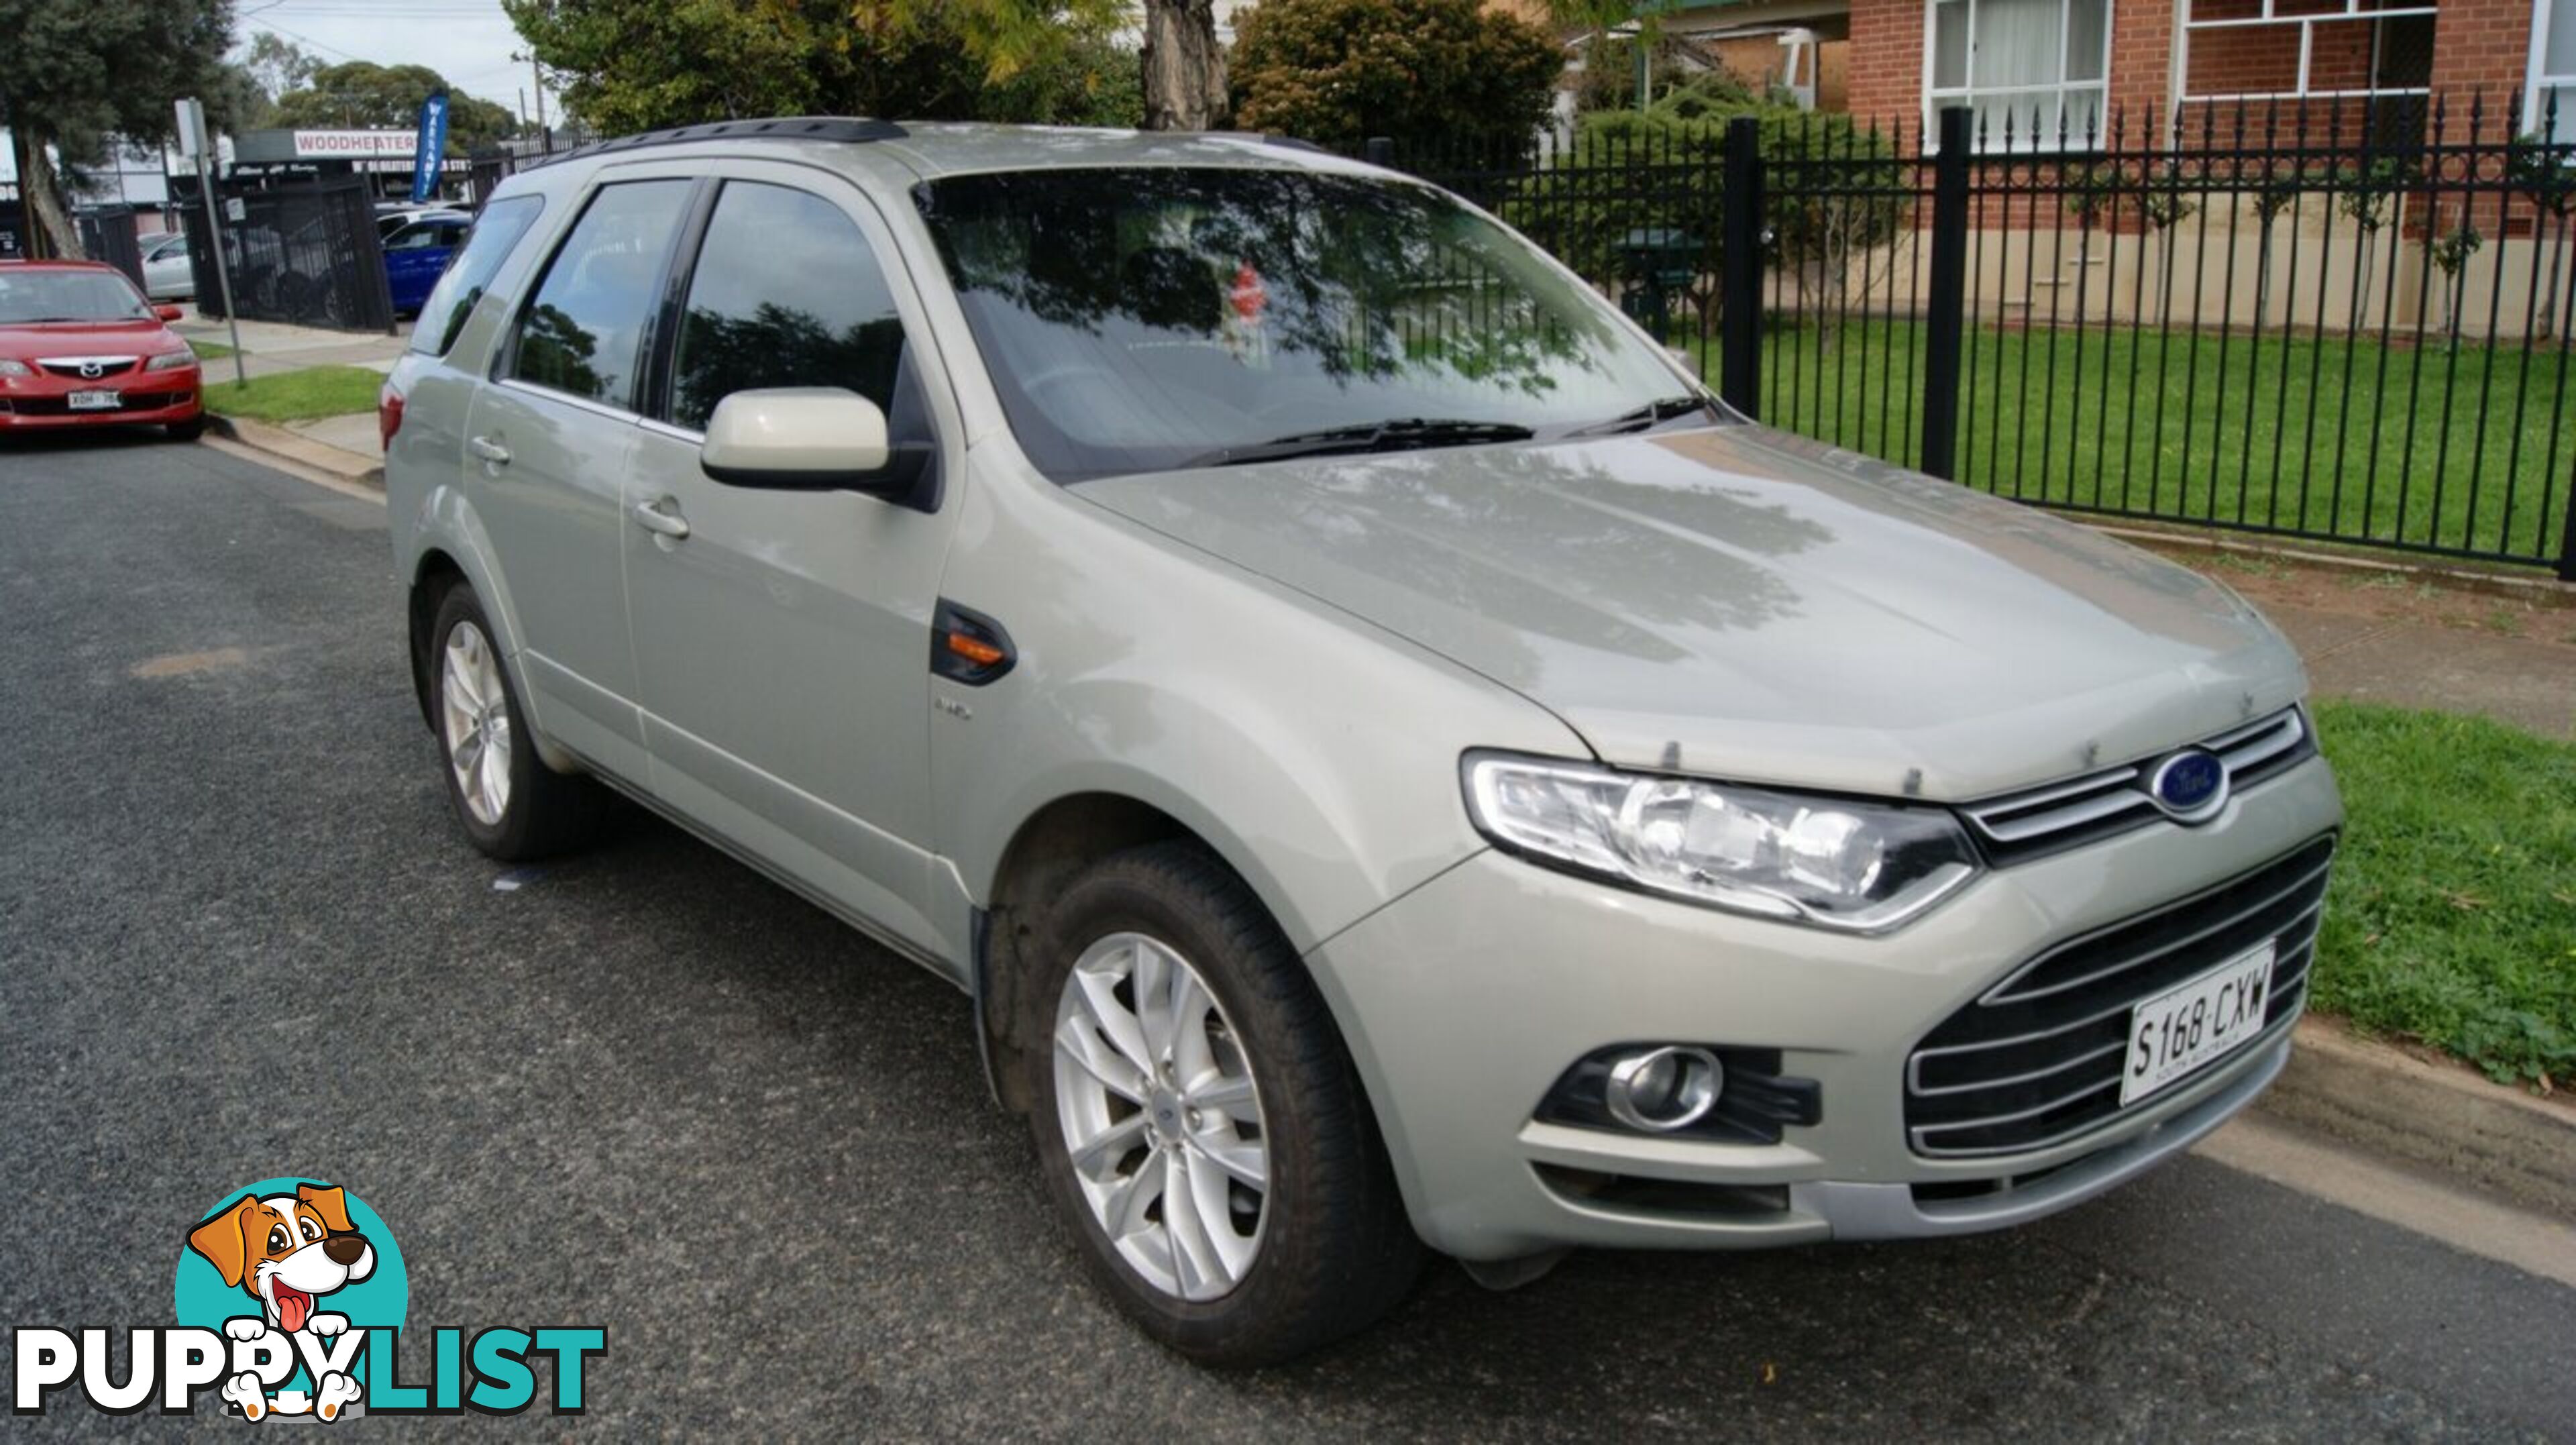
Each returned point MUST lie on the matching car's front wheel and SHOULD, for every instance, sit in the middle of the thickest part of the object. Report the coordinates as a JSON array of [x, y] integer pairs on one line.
[[1199, 1122], [512, 805]]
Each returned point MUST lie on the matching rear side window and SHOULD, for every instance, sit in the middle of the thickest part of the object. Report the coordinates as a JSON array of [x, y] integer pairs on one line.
[[495, 233], [786, 293], [583, 332]]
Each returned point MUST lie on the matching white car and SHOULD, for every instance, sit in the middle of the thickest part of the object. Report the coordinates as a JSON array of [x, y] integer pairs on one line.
[[167, 273]]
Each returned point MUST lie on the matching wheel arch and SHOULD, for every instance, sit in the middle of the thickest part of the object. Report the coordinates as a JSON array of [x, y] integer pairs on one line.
[[431, 578], [1049, 847]]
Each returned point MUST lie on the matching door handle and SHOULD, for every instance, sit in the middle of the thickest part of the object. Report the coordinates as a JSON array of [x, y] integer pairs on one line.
[[661, 517], [490, 451]]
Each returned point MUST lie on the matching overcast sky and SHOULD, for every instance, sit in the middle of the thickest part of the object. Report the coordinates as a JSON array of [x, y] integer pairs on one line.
[[468, 41]]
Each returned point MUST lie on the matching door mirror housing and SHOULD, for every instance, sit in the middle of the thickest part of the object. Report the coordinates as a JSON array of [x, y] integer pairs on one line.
[[809, 438], [168, 313]]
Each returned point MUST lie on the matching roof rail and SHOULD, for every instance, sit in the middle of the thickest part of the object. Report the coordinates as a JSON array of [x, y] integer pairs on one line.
[[793, 127]]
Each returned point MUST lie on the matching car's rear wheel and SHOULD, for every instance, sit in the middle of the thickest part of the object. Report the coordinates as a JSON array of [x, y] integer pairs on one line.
[[1199, 1122], [512, 805]]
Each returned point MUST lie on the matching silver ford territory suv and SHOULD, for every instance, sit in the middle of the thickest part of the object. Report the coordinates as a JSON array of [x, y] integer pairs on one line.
[[1389, 760]]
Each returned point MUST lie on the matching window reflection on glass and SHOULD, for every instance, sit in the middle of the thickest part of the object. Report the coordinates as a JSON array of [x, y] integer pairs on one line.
[[487, 244], [582, 333], [786, 293], [1137, 319]]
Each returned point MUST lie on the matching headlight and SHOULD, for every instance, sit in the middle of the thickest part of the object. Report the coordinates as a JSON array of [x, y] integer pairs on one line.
[[14, 368], [171, 361], [1859, 867]]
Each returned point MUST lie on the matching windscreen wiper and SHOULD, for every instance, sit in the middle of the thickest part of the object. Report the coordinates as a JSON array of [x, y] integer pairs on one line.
[[1659, 410], [1403, 434]]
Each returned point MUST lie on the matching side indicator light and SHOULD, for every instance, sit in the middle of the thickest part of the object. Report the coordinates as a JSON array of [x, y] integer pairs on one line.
[[967, 646], [975, 649]]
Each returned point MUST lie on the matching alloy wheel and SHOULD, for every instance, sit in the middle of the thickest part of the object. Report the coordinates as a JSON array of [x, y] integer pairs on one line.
[[474, 722], [1161, 1117]]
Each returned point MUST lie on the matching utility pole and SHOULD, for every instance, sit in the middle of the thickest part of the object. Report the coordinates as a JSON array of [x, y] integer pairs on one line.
[[195, 141], [545, 136]]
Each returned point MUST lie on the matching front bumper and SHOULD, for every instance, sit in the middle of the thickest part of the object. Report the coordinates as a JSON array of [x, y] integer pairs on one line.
[[1463, 1001], [150, 398]]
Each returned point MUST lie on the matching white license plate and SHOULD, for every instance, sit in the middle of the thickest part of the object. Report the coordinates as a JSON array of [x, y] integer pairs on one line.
[[2183, 1028], [96, 401]]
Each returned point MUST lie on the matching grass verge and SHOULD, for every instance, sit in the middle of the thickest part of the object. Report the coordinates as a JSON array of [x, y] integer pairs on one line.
[[2452, 917], [209, 350], [298, 395], [2465, 447]]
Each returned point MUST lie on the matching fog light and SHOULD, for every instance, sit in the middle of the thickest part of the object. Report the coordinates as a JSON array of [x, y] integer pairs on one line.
[[1660, 1090]]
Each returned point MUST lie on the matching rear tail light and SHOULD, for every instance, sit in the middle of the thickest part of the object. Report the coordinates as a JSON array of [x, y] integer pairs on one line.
[[389, 414]]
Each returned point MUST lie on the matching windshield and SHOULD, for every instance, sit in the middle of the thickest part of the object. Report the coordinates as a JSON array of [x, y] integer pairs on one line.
[[1142, 319], [27, 296]]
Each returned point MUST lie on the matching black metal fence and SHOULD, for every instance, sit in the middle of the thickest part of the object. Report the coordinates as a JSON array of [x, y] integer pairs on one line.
[[107, 234], [2330, 320], [303, 254]]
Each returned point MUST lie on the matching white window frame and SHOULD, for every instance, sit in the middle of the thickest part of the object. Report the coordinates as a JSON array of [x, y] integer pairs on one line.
[[2353, 12], [2539, 82], [1936, 97]]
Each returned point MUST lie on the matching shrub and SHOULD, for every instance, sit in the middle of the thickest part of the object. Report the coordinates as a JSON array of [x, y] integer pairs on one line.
[[1833, 193], [1422, 72]]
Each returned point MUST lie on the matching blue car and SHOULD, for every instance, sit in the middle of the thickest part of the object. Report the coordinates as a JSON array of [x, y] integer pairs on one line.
[[417, 251]]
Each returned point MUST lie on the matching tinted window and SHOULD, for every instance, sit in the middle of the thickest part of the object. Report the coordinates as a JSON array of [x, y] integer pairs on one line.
[[583, 333], [494, 234], [1142, 319], [786, 293], [412, 238]]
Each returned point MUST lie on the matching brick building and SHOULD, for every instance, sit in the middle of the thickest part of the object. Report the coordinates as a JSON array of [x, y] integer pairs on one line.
[[2075, 63]]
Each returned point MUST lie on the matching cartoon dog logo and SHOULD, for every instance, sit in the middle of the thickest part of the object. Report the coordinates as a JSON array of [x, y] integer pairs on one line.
[[288, 1251]]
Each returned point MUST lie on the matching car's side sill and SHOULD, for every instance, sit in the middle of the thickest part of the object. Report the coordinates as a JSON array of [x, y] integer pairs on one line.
[[858, 922]]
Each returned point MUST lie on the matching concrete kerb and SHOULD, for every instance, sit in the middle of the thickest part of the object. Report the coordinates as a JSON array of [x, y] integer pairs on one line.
[[338, 462], [2443, 1115]]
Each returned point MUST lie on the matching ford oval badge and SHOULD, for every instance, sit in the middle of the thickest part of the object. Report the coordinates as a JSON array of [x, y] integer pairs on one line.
[[2191, 785]]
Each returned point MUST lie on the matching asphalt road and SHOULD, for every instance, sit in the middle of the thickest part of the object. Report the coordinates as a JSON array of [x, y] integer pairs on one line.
[[240, 937]]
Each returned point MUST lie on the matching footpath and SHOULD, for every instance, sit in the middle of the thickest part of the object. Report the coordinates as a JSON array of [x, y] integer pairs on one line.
[[344, 445], [2503, 646]]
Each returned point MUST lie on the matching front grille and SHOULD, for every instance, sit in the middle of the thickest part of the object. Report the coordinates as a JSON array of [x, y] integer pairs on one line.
[[107, 366], [2036, 1059], [2036, 821]]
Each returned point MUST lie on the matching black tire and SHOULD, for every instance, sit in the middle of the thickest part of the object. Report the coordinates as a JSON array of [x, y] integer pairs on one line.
[[1337, 1251], [186, 431], [545, 812]]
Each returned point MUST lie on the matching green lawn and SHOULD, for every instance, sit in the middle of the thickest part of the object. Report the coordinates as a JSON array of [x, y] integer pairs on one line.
[[2452, 917], [2467, 450], [209, 350], [298, 395]]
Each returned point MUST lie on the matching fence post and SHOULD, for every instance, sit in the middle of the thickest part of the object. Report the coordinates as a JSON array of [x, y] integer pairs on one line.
[[1379, 150], [2567, 540], [1946, 298], [1739, 320]]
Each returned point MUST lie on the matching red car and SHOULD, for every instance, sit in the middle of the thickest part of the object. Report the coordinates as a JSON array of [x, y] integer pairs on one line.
[[80, 346]]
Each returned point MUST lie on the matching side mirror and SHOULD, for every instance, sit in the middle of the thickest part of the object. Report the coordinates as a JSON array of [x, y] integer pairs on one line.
[[819, 438], [168, 313]]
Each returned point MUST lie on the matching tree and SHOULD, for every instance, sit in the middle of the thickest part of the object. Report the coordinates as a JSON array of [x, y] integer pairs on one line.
[[1337, 72], [362, 93], [1184, 84], [630, 65], [278, 65], [71, 76]]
